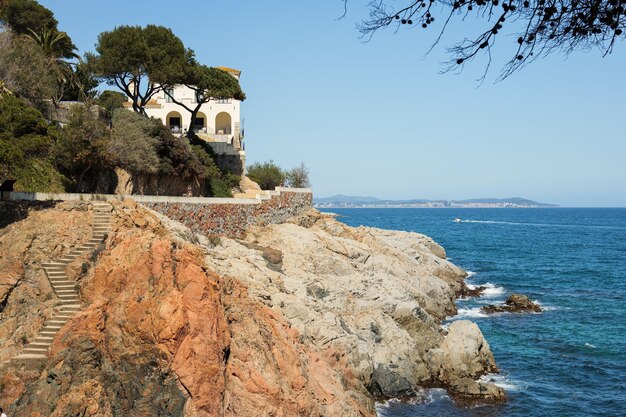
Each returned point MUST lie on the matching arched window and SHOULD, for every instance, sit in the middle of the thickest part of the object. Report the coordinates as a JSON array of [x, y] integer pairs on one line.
[[174, 121], [200, 123], [223, 123]]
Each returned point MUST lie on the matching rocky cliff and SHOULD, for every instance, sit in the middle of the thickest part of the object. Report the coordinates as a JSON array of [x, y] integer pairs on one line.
[[307, 318]]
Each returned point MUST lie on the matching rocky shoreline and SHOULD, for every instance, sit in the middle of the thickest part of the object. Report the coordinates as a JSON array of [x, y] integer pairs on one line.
[[308, 317]]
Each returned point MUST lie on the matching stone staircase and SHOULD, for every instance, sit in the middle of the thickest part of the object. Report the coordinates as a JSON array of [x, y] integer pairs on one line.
[[65, 288]]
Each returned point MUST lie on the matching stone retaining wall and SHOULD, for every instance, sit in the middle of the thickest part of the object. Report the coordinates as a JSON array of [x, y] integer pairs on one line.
[[232, 219], [211, 216]]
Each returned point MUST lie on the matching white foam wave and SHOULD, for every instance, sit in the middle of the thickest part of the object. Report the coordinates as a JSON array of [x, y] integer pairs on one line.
[[435, 394], [583, 226], [492, 290], [589, 345], [469, 313], [470, 274], [546, 308], [501, 381]]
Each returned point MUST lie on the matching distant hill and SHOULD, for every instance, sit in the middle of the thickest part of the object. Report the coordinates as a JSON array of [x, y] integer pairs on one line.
[[341, 200], [513, 200]]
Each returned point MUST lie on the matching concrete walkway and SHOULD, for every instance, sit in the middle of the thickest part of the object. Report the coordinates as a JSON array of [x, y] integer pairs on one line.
[[65, 288]]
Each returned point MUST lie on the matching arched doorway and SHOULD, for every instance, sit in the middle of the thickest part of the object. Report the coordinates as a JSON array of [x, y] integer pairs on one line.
[[223, 123], [200, 123], [174, 121]]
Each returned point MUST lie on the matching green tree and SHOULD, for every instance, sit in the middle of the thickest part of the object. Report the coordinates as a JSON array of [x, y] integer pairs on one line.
[[84, 145], [536, 28], [140, 61], [26, 147], [110, 100], [22, 16], [54, 45], [298, 177], [132, 146], [84, 84], [208, 84], [25, 69], [268, 175]]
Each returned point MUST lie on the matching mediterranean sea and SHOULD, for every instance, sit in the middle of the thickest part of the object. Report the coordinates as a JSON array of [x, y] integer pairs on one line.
[[569, 360]]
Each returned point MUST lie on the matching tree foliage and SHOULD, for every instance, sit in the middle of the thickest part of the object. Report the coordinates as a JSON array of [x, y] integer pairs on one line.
[[25, 15], [268, 175], [26, 146], [140, 61], [84, 145], [539, 27], [298, 177], [25, 69], [208, 84], [54, 46], [133, 145], [84, 84], [110, 100]]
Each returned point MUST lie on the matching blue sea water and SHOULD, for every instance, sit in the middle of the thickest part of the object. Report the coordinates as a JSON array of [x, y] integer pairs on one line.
[[569, 360]]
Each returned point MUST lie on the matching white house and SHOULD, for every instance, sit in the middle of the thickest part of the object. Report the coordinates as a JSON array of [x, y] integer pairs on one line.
[[217, 120]]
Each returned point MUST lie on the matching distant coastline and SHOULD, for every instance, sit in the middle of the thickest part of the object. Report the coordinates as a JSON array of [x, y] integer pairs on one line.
[[343, 201]]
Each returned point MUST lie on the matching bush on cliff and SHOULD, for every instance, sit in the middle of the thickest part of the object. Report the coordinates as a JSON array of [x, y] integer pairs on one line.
[[84, 146], [24, 69], [133, 145], [26, 147], [298, 177], [268, 175]]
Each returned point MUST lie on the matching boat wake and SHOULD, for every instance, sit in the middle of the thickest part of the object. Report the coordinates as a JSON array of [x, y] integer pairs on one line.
[[576, 226]]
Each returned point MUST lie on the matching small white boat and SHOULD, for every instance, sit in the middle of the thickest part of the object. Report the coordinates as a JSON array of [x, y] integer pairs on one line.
[[457, 220]]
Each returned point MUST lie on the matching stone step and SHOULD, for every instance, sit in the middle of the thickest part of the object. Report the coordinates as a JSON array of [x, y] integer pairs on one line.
[[89, 245], [47, 340], [29, 357], [62, 282], [58, 276], [39, 345], [68, 259], [55, 320], [72, 307], [69, 303], [48, 333], [69, 298], [62, 262], [52, 328], [64, 287], [54, 266], [41, 351], [67, 293]]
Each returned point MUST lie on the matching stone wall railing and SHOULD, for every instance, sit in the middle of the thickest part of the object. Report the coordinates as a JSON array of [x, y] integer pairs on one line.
[[212, 216]]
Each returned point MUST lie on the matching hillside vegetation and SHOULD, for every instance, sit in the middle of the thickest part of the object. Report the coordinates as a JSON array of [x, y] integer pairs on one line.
[[93, 145]]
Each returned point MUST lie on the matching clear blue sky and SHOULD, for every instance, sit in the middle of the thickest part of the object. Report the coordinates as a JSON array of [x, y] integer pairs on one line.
[[378, 119]]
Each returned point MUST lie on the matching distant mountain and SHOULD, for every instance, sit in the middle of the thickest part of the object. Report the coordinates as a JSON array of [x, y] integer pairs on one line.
[[513, 200], [341, 200], [344, 199]]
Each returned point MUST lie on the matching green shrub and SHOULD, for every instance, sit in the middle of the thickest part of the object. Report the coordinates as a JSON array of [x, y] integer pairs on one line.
[[84, 145], [110, 100], [298, 177], [268, 175], [218, 187], [27, 147], [25, 69], [132, 145]]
